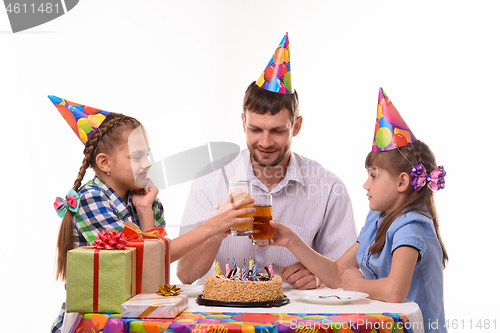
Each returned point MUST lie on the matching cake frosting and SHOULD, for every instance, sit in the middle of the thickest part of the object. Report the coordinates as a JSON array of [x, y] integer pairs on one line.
[[234, 290]]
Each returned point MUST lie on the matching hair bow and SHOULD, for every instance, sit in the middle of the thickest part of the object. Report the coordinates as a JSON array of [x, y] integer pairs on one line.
[[71, 202], [435, 179]]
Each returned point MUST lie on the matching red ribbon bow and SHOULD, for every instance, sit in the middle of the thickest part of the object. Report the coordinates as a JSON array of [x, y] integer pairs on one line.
[[110, 240]]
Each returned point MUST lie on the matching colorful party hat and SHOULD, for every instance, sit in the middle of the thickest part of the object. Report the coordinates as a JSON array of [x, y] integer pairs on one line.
[[391, 131], [277, 76], [83, 120]]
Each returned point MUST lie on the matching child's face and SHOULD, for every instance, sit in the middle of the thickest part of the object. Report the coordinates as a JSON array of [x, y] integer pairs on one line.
[[132, 162], [382, 190]]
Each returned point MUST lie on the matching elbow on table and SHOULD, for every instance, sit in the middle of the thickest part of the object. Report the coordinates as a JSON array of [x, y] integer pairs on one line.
[[395, 295], [186, 276]]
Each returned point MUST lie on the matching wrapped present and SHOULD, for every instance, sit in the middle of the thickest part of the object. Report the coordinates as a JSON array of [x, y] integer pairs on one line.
[[153, 256], [99, 279], [154, 306]]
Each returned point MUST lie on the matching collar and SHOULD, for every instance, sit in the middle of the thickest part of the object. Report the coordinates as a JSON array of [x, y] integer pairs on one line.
[[121, 206], [293, 172]]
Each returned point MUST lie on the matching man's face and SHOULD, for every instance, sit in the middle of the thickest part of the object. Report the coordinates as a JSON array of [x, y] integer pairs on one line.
[[269, 137]]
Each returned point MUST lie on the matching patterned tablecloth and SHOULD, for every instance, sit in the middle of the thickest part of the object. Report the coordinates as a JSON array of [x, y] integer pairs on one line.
[[239, 322], [361, 316]]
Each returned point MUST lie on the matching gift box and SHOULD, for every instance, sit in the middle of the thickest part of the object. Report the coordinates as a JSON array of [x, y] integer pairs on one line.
[[99, 280], [153, 257], [154, 306]]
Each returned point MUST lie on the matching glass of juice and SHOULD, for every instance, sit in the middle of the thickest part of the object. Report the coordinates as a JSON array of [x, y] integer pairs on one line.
[[242, 229], [263, 233]]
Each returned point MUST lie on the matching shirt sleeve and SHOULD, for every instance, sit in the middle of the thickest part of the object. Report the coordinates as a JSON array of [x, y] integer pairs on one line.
[[95, 214], [411, 234], [338, 232], [159, 213], [199, 204]]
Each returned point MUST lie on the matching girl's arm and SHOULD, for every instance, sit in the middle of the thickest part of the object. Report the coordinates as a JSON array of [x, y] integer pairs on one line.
[[216, 225], [393, 288], [327, 270]]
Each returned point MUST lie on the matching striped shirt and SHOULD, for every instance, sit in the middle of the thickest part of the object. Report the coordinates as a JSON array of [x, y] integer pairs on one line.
[[310, 199], [102, 209]]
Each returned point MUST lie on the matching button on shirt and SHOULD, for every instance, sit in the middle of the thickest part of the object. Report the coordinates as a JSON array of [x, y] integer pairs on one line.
[[415, 230], [310, 199], [102, 209]]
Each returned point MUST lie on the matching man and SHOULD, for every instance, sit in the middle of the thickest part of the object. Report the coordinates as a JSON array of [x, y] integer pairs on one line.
[[307, 197]]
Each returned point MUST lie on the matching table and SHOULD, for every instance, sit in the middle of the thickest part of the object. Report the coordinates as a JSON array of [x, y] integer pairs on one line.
[[296, 317]]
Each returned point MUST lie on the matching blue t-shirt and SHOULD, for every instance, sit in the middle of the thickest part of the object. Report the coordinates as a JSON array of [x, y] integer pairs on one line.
[[415, 230]]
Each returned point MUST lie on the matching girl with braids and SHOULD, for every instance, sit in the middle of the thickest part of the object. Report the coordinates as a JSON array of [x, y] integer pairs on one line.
[[117, 149], [399, 252]]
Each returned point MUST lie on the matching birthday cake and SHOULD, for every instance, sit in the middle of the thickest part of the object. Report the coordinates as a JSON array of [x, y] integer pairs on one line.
[[218, 288]]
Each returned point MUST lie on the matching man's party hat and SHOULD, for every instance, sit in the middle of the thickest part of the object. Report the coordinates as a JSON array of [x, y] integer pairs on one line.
[[391, 131], [277, 76], [83, 120]]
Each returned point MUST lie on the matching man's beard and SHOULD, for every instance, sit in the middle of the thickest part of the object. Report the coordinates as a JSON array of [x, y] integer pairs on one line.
[[278, 160]]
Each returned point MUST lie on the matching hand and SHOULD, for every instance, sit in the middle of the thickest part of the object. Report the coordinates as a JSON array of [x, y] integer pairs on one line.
[[298, 276], [144, 198], [222, 220], [349, 278], [283, 234], [224, 206]]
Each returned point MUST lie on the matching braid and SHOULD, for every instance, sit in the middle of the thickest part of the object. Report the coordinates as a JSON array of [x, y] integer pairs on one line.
[[102, 140]]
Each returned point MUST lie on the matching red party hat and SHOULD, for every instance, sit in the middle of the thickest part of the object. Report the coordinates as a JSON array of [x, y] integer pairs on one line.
[[277, 76], [391, 131], [83, 120]]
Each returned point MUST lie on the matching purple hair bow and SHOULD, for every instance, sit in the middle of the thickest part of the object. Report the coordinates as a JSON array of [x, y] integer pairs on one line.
[[435, 179]]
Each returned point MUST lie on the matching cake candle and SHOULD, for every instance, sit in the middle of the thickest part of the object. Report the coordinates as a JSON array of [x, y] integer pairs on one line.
[[271, 270], [227, 268], [244, 272], [254, 271], [217, 268]]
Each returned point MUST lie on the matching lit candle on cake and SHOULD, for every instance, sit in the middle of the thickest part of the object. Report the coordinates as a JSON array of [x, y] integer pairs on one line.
[[271, 270], [227, 268]]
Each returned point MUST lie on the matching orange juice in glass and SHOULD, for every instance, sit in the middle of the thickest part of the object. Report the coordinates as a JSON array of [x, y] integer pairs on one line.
[[242, 229]]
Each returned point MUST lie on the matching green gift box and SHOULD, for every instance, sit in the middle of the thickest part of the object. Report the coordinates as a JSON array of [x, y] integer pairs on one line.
[[99, 280]]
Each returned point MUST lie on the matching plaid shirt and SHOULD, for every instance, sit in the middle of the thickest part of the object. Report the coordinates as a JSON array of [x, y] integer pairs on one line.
[[102, 209]]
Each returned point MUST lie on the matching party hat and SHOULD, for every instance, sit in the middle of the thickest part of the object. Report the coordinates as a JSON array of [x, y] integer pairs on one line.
[[83, 120], [277, 76], [391, 131]]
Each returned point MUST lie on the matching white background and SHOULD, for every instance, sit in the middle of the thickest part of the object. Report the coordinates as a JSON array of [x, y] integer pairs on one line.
[[181, 67]]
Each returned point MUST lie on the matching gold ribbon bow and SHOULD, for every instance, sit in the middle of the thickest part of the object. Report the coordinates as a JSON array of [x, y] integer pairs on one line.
[[168, 290], [153, 233]]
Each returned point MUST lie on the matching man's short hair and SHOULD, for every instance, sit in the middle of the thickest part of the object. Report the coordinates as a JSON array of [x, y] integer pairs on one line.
[[262, 101]]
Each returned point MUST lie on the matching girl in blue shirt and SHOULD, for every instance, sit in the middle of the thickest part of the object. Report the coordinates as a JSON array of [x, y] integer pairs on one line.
[[399, 252]]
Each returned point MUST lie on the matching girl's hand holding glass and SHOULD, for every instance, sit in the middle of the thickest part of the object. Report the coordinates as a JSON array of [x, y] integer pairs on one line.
[[227, 212]]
